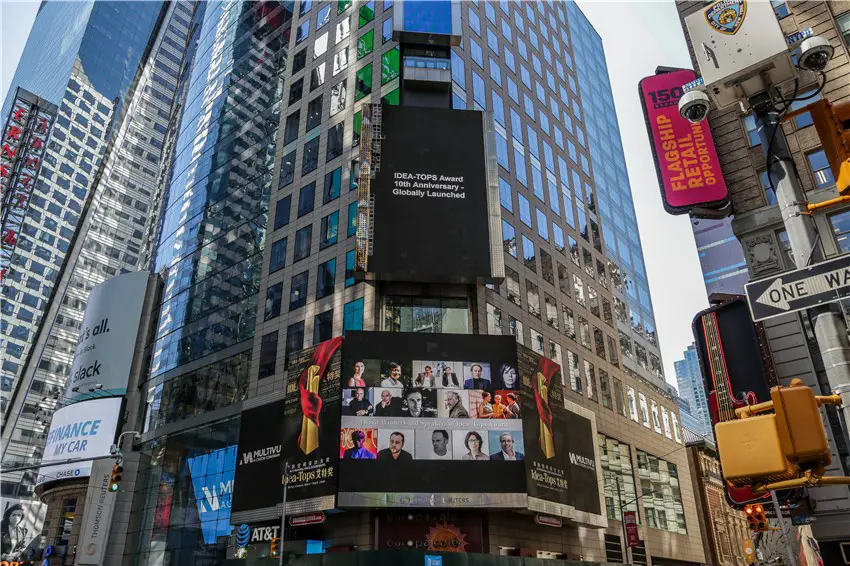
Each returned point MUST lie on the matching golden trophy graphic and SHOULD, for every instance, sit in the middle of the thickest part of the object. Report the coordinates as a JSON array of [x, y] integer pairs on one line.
[[547, 443], [309, 438]]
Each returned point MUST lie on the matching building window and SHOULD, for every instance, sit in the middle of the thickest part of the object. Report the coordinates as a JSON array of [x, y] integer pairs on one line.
[[841, 228], [278, 256], [806, 98], [780, 8], [287, 169], [619, 398], [295, 91], [335, 135], [662, 496], [528, 256], [303, 238], [294, 338], [820, 168], [426, 314], [306, 199], [290, 132], [323, 327], [508, 238], [387, 30], [311, 156], [390, 65], [573, 369], [363, 82], [365, 44], [317, 78], [752, 130], [330, 228], [333, 182], [367, 13], [533, 297], [326, 279], [298, 290], [618, 475], [767, 187], [512, 286], [350, 258], [268, 354], [844, 26], [605, 389], [273, 299], [66, 521], [352, 316], [282, 211]]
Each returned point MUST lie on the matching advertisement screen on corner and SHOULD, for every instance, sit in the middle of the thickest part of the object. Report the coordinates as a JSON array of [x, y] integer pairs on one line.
[[430, 421], [430, 193]]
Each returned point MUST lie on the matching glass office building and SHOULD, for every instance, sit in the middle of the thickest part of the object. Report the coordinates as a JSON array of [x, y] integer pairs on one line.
[[692, 389], [85, 57], [257, 240]]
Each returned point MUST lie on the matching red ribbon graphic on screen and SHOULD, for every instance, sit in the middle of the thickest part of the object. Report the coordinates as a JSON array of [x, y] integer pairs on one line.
[[541, 383], [311, 401]]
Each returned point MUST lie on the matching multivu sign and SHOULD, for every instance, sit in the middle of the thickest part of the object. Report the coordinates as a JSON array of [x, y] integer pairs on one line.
[[801, 289]]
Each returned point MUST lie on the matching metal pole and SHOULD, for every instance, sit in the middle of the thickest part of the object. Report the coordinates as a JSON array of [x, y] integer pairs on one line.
[[283, 509], [830, 329], [786, 534], [622, 520]]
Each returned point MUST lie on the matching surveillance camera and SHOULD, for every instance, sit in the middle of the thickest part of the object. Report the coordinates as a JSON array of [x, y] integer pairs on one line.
[[815, 53], [694, 105]]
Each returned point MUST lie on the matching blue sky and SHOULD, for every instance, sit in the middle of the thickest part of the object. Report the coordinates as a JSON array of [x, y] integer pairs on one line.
[[638, 37]]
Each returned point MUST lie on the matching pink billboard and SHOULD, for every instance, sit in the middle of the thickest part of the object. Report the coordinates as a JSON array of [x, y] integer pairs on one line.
[[685, 156]]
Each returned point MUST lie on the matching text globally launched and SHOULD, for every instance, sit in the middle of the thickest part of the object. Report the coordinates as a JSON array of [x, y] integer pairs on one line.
[[428, 185]]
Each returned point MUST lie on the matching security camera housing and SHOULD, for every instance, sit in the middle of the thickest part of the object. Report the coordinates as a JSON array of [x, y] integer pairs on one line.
[[815, 53], [694, 106]]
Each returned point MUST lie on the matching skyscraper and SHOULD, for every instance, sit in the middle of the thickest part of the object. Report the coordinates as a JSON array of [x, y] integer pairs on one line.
[[692, 389], [113, 76], [257, 247]]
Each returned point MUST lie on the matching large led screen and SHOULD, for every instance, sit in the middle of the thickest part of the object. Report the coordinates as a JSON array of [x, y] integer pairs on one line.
[[430, 421], [431, 215]]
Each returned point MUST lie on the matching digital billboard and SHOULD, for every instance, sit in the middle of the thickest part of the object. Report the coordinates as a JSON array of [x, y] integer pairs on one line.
[[443, 531], [685, 157], [561, 471], [107, 339], [212, 481], [82, 430], [310, 427], [428, 22], [433, 200], [21, 528], [257, 481], [431, 420]]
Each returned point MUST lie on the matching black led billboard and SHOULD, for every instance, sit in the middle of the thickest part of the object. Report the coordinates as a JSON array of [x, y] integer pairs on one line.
[[256, 482], [430, 192], [560, 457], [430, 420]]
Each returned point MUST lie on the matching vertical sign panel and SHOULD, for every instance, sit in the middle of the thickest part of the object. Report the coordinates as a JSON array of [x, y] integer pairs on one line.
[[685, 157]]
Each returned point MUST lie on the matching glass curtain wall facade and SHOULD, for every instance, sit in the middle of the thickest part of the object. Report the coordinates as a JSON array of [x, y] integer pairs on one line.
[[272, 257], [692, 389], [108, 240], [209, 250], [85, 58]]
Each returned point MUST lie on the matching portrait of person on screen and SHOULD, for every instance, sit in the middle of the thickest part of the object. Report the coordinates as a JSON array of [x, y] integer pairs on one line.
[[475, 379], [427, 378], [389, 405], [449, 377], [474, 443], [442, 449], [454, 405], [394, 377], [395, 451], [358, 451], [356, 380], [359, 406], [507, 452]]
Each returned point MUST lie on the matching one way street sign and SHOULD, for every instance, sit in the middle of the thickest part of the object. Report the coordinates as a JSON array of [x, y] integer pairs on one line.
[[801, 289]]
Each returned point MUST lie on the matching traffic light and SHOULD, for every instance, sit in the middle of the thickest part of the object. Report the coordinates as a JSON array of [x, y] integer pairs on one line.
[[275, 547], [756, 518], [832, 122], [115, 479], [776, 447]]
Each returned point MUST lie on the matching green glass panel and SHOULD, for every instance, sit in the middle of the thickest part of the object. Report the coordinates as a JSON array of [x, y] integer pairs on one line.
[[358, 119], [363, 82], [342, 6], [367, 13], [390, 65], [365, 43], [392, 97]]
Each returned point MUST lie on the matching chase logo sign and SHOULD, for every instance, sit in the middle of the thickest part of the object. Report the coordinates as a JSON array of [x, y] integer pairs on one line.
[[726, 16]]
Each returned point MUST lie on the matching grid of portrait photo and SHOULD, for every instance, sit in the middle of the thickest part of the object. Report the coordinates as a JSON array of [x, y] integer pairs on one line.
[[430, 410]]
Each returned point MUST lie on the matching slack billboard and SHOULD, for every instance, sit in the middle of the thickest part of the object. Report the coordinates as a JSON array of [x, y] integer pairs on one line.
[[433, 197]]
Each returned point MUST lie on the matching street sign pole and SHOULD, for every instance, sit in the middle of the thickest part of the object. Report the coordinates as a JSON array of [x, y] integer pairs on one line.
[[830, 330]]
